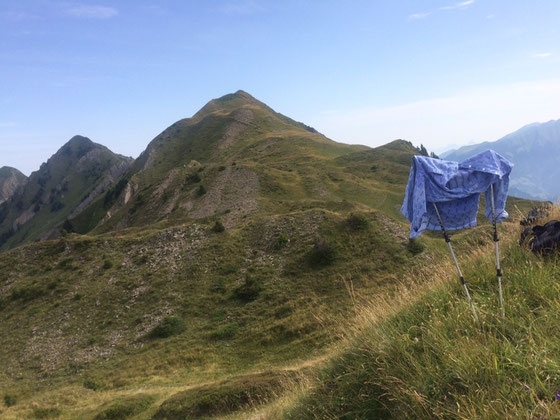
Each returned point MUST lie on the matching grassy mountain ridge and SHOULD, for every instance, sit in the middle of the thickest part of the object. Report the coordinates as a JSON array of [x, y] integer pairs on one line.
[[10, 180], [213, 276], [62, 187], [169, 303], [223, 162]]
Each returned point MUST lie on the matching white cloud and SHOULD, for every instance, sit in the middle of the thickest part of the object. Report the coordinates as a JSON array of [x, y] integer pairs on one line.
[[543, 55], [7, 124], [416, 16], [486, 113], [461, 5], [456, 6], [490, 16], [91, 12]]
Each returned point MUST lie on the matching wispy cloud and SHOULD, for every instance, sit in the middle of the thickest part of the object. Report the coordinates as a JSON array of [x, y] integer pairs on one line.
[[461, 5], [91, 12], [490, 16], [416, 16], [543, 55], [242, 7], [7, 124], [17, 16], [457, 6]]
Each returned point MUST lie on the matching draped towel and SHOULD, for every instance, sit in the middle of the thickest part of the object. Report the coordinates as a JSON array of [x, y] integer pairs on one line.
[[455, 188]]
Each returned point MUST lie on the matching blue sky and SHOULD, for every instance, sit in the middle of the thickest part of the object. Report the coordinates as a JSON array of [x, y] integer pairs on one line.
[[433, 72]]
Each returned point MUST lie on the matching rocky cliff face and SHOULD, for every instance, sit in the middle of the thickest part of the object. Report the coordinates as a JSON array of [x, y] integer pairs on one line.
[[10, 180]]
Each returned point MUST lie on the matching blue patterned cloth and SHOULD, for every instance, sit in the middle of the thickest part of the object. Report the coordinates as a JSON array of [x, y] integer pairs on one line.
[[455, 188]]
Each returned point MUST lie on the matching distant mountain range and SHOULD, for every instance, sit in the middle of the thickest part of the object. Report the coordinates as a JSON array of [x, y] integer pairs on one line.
[[535, 152]]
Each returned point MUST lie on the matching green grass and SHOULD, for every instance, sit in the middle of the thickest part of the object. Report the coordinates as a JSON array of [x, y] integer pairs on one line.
[[423, 356], [222, 398], [248, 300]]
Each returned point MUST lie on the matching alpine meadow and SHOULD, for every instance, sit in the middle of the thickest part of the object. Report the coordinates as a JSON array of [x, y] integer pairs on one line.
[[339, 240]]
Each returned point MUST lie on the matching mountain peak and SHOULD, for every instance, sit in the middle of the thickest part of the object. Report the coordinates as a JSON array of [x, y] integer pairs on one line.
[[79, 140], [229, 103]]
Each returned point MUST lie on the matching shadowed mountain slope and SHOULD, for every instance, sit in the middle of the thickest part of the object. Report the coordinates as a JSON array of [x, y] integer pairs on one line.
[[63, 186]]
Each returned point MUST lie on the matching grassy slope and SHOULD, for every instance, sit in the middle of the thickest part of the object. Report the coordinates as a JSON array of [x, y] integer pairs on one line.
[[84, 305], [422, 357]]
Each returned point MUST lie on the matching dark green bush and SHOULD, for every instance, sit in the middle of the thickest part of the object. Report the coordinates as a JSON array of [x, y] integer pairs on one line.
[[218, 227], [194, 178], [356, 221], [321, 254], [229, 268], [201, 190], [415, 247], [249, 290], [93, 385], [226, 332], [10, 400], [66, 264], [27, 294], [170, 325], [107, 264], [280, 241]]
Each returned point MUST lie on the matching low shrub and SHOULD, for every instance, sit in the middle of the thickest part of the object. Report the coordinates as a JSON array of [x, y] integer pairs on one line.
[[201, 190], [194, 178], [249, 290], [219, 285], [27, 294], [415, 247], [321, 254], [66, 264], [169, 326], [280, 241], [356, 221], [218, 227], [226, 332], [10, 400], [93, 385]]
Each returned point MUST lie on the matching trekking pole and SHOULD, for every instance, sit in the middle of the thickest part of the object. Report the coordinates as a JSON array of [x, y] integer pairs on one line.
[[496, 239], [463, 282]]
